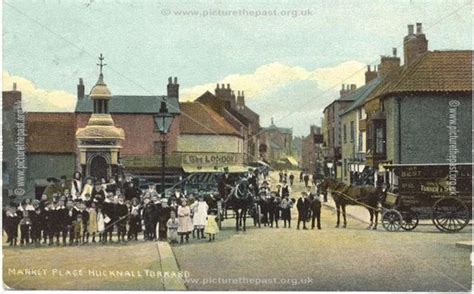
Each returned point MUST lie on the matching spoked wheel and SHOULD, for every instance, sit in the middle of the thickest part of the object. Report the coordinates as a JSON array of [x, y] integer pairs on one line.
[[409, 220], [391, 220], [450, 214]]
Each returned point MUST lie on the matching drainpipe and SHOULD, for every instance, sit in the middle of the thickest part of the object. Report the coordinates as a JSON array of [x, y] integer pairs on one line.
[[399, 106]]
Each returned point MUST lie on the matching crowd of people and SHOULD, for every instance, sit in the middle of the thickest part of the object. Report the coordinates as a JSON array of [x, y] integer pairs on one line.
[[116, 210], [77, 212]]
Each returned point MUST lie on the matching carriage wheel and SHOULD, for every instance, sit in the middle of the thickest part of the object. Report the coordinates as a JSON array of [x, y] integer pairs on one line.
[[409, 220], [391, 220], [450, 214]]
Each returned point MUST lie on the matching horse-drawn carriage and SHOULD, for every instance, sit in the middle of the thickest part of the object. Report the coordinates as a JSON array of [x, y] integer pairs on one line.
[[439, 192]]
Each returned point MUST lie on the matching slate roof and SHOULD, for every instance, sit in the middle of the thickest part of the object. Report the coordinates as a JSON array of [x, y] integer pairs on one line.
[[360, 94], [199, 119], [50, 132], [131, 104]]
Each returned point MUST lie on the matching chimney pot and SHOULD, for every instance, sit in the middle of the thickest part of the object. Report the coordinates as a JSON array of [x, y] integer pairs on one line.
[[418, 28], [238, 93], [394, 50], [228, 86], [170, 81], [81, 82], [176, 80], [217, 86], [368, 68], [242, 93], [223, 86], [353, 87], [410, 29], [14, 86]]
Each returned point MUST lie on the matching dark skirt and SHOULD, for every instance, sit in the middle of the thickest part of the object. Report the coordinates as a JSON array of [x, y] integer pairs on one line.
[[286, 214]]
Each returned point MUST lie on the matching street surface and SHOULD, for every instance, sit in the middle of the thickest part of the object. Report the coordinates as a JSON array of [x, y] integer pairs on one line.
[[260, 259], [332, 259]]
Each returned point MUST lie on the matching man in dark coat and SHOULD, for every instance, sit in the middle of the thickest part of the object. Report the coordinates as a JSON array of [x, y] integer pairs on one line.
[[303, 205], [60, 222], [130, 191], [148, 219], [224, 182], [315, 210], [69, 218]]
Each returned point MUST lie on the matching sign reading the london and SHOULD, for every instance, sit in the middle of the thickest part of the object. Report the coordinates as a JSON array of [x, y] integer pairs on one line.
[[211, 159]]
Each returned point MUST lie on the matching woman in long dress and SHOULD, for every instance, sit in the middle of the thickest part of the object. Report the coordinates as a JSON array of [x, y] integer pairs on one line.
[[185, 222], [200, 209]]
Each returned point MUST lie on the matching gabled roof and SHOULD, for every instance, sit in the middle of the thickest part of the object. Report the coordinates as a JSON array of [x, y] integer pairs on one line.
[[273, 127], [360, 95], [434, 71], [50, 132], [446, 71], [199, 119], [131, 104]]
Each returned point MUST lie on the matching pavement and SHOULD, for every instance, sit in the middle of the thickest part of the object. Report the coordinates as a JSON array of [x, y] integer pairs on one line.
[[135, 265]]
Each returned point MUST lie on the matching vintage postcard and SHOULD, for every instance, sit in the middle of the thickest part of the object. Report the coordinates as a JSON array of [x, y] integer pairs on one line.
[[320, 145]]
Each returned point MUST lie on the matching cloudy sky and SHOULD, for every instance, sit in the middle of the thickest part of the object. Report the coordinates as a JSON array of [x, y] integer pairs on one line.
[[290, 57]]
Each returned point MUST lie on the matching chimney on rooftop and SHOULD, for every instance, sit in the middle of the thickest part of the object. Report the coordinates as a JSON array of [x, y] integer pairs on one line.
[[80, 89], [173, 88], [370, 74], [389, 63], [414, 45]]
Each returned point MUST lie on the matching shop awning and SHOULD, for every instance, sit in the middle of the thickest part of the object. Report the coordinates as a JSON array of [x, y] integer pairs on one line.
[[292, 160], [238, 168], [191, 169]]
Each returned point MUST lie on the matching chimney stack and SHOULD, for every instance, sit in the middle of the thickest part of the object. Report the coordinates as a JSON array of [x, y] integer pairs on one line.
[[418, 28], [80, 89], [370, 75], [173, 88], [388, 64], [414, 45]]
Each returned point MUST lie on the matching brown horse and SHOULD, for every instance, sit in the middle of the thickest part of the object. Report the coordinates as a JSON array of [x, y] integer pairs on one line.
[[343, 194]]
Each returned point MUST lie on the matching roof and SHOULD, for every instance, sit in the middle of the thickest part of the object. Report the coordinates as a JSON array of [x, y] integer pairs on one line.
[[361, 94], [50, 132], [273, 127], [199, 119], [131, 104], [434, 71]]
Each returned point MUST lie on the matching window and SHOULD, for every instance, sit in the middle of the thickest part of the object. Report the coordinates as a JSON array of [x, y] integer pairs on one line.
[[379, 141], [352, 132], [345, 133], [361, 143]]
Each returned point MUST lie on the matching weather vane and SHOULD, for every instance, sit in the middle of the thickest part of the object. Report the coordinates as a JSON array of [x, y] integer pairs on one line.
[[101, 64]]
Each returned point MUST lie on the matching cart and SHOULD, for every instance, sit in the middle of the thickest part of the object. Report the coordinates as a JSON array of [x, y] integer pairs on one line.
[[440, 192]]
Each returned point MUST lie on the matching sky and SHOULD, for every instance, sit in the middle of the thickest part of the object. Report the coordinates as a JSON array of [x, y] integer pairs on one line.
[[289, 57]]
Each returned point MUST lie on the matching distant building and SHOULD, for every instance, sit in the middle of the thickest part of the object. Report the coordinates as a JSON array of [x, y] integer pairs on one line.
[[234, 109], [332, 130], [276, 146], [312, 159]]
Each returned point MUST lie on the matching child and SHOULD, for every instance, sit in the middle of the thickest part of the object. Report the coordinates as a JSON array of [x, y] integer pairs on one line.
[[211, 226], [25, 224], [78, 228], [173, 225], [92, 224], [134, 220], [11, 225], [101, 224], [37, 223]]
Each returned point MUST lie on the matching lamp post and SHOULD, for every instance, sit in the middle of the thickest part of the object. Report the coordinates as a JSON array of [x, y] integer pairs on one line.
[[163, 120]]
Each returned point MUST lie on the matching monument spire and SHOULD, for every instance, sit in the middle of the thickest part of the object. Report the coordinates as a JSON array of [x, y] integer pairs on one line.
[[101, 64]]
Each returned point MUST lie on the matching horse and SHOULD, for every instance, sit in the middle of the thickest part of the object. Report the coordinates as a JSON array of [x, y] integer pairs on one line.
[[241, 200], [368, 196]]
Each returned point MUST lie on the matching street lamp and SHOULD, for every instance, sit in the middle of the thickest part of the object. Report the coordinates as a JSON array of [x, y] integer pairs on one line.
[[163, 121], [330, 165]]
